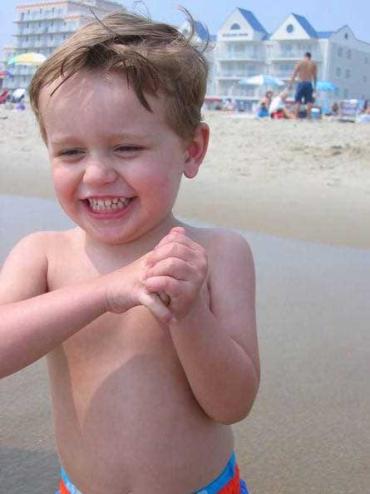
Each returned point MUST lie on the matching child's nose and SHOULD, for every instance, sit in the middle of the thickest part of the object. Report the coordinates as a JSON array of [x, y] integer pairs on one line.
[[99, 172]]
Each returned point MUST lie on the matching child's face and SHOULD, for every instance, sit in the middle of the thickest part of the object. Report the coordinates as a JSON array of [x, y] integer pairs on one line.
[[116, 166]]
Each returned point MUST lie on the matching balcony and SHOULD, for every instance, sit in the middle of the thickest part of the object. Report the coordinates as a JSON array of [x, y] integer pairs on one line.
[[39, 45], [42, 31], [228, 56], [37, 16], [235, 75], [293, 55]]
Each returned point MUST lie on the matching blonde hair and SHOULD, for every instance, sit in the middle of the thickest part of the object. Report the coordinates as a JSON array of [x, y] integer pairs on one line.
[[154, 57]]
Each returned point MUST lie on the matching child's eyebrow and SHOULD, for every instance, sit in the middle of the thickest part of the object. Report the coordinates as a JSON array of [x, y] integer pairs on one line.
[[69, 139]]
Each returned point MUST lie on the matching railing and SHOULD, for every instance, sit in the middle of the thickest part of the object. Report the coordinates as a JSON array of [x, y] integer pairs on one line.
[[293, 55], [245, 55], [235, 75], [36, 16], [37, 45], [21, 70], [42, 31]]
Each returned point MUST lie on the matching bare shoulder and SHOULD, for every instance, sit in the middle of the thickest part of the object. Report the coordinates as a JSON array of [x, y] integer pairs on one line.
[[24, 272], [223, 246], [230, 262]]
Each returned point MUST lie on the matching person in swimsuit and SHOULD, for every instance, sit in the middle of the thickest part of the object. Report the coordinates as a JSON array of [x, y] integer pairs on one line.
[[306, 71], [148, 324]]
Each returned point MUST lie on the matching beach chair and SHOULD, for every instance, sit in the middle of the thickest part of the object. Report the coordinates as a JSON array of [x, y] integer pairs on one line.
[[4, 96], [349, 109]]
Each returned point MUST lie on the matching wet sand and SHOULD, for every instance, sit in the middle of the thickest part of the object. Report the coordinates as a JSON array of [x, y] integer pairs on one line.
[[308, 431]]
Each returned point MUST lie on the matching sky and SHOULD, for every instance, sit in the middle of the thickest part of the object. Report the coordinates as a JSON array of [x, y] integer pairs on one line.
[[324, 15]]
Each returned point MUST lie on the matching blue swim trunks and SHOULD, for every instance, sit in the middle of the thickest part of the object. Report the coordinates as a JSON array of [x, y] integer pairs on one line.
[[304, 93], [228, 482]]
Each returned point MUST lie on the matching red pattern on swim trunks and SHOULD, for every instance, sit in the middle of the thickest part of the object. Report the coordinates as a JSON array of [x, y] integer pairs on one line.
[[233, 487], [62, 488]]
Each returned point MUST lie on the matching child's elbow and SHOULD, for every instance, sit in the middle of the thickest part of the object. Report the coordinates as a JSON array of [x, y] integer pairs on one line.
[[240, 409], [233, 416]]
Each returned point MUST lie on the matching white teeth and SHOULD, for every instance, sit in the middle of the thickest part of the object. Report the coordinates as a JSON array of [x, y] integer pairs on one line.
[[108, 204]]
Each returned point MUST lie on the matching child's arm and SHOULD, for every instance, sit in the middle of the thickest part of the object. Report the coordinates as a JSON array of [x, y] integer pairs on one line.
[[33, 322], [215, 339]]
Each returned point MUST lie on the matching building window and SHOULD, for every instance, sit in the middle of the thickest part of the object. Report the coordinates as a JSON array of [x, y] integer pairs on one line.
[[290, 28], [345, 93], [346, 36], [364, 78], [235, 26], [340, 51], [338, 72], [349, 54], [348, 73]]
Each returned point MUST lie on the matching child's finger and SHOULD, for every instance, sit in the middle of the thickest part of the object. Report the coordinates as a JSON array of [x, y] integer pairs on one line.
[[170, 266], [178, 229], [163, 284], [177, 235], [157, 306]]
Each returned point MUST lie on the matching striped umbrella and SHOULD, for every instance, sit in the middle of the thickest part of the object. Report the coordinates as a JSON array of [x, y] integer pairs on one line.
[[262, 80], [27, 59]]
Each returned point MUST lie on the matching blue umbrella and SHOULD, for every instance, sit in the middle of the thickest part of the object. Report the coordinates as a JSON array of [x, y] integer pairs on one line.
[[325, 86]]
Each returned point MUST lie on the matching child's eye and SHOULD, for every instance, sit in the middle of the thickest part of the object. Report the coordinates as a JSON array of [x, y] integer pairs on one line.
[[70, 152], [128, 149]]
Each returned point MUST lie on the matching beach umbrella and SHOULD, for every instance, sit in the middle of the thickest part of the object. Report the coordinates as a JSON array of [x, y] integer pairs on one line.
[[325, 86], [5, 73], [262, 80], [27, 59]]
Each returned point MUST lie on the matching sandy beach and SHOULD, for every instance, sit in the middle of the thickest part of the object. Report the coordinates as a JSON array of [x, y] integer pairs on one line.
[[300, 193], [299, 179]]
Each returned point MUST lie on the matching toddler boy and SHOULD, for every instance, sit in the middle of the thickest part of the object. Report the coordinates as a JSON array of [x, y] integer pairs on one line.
[[148, 325]]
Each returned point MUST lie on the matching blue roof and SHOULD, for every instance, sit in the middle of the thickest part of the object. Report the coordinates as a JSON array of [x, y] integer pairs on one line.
[[201, 31], [250, 17], [324, 34], [306, 25]]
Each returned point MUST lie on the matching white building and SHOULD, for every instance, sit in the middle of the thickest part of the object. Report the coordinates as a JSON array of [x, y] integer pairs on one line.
[[244, 48], [203, 39], [43, 26]]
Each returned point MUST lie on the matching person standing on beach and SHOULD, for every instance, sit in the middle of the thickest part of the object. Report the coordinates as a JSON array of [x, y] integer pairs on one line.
[[306, 71], [148, 324]]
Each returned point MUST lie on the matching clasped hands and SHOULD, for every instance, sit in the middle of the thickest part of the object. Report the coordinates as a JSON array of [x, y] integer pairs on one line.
[[167, 280]]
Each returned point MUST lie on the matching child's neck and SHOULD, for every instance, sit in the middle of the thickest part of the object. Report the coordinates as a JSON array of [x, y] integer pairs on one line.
[[117, 255]]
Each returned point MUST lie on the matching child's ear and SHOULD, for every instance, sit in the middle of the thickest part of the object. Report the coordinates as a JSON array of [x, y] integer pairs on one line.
[[196, 150]]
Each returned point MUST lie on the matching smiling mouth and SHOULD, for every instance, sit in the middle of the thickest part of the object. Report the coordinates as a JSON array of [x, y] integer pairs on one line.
[[110, 205]]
